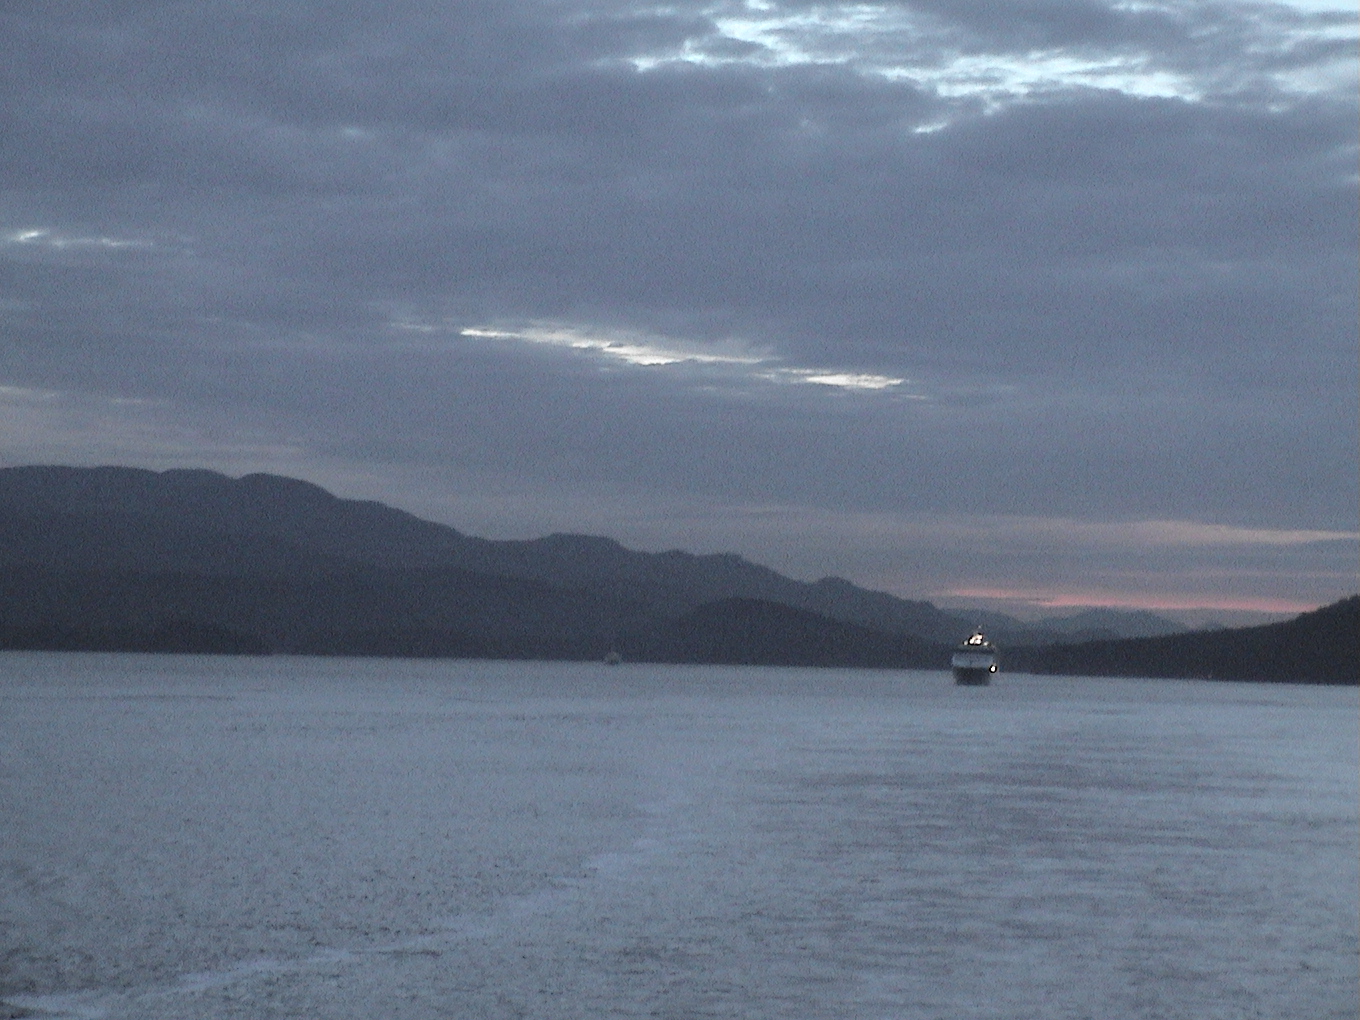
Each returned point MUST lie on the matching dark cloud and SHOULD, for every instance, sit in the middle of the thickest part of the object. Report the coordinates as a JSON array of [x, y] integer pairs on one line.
[[269, 223]]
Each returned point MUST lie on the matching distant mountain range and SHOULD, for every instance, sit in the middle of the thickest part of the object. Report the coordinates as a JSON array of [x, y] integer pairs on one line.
[[1319, 647], [190, 560]]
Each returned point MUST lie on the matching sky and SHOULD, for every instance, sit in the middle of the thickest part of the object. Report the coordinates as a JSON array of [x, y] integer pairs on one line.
[[1031, 305]]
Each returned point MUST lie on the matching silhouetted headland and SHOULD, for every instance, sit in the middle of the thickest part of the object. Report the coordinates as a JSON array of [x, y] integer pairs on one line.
[[123, 559]]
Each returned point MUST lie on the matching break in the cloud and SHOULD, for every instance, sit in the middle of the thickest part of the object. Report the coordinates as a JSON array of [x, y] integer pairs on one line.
[[44, 238], [654, 352], [893, 269], [998, 53]]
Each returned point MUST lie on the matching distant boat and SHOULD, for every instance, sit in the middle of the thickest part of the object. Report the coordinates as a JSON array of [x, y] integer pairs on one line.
[[613, 658], [974, 661]]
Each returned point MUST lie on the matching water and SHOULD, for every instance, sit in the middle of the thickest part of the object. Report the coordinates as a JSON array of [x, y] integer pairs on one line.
[[191, 837]]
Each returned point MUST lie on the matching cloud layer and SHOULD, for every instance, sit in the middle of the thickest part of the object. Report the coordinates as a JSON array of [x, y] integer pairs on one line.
[[1042, 260]]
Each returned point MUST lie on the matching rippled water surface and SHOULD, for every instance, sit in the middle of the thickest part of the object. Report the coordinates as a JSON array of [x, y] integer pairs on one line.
[[193, 837]]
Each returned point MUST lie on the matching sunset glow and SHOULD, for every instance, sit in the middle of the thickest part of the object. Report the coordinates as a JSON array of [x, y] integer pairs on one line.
[[1078, 599]]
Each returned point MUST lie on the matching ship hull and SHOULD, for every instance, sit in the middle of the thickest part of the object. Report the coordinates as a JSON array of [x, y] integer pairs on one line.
[[972, 676]]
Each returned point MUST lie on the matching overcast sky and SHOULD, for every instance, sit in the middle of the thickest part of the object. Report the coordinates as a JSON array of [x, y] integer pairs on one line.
[[1032, 303]]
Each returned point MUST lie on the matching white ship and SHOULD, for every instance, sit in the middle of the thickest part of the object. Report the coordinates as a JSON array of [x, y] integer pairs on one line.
[[974, 661]]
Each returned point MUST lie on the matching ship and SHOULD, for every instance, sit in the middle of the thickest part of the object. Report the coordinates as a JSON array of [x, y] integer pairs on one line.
[[974, 661]]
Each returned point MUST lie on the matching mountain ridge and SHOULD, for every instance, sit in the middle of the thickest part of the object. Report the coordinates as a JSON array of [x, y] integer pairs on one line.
[[1322, 645], [191, 559], [195, 520], [137, 518]]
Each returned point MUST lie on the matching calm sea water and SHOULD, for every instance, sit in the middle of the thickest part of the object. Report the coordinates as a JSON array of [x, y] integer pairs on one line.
[[191, 837]]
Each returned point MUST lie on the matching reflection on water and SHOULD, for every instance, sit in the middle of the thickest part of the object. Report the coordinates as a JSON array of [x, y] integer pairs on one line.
[[198, 837]]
